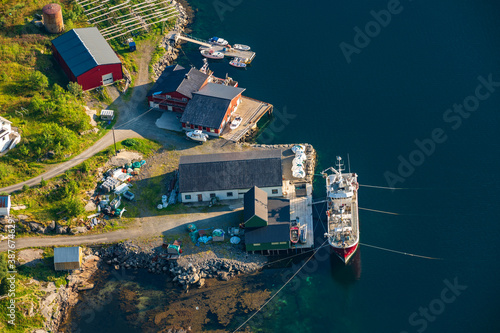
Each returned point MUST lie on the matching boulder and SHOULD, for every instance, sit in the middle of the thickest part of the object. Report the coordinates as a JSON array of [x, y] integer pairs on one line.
[[78, 230]]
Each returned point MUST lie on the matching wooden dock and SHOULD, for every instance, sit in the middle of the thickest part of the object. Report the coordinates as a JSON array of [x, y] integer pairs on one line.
[[251, 111], [301, 210], [247, 56]]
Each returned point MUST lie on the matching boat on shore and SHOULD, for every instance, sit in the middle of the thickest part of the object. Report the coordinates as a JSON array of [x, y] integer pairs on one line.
[[342, 211], [197, 135], [235, 123], [210, 53], [241, 47], [294, 232], [218, 41], [238, 62]]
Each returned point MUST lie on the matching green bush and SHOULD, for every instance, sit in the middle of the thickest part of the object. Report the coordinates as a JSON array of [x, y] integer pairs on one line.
[[25, 188], [72, 206], [75, 89], [38, 81], [130, 142], [43, 182]]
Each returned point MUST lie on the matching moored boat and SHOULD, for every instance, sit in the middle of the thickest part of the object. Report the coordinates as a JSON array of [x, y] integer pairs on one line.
[[218, 41], [238, 62], [197, 135], [210, 53], [241, 47], [342, 211]]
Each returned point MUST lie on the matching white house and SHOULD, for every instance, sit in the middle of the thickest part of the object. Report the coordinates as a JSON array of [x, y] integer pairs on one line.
[[4, 205], [8, 137], [230, 175]]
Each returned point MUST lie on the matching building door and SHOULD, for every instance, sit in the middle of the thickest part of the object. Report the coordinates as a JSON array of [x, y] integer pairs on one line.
[[200, 197], [169, 108], [107, 79]]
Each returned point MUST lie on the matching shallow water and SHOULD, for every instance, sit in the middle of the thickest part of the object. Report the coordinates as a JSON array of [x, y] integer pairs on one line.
[[395, 91]]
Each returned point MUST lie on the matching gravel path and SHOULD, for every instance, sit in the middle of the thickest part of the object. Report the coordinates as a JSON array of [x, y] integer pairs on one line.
[[151, 226], [136, 120]]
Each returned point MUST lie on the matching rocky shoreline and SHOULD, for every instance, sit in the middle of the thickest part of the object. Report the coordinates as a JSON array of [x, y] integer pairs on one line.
[[188, 271]]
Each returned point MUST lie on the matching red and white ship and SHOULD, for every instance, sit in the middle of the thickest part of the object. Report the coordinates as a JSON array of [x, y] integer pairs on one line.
[[342, 211]]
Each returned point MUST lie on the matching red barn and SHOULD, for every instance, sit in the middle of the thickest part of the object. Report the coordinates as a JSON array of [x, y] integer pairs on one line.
[[175, 87], [87, 58], [210, 108]]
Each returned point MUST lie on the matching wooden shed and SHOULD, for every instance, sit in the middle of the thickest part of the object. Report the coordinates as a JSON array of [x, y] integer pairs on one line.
[[67, 258]]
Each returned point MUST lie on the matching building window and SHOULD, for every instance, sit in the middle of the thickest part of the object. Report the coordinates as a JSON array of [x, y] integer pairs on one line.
[[187, 196], [256, 244], [168, 96], [212, 195], [274, 243], [274, 191], [184, 99], [212, 130], [283, 243], [229, 194]]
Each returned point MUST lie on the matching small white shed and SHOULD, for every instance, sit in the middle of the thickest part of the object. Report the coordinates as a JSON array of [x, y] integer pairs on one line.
[[107, 114]]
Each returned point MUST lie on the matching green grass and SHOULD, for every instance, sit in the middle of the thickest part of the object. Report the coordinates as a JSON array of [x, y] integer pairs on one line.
[[27, 295], [44, 204]]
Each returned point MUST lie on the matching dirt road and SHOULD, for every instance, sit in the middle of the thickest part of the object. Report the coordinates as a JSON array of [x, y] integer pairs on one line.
[[136, 120], [143, 228]]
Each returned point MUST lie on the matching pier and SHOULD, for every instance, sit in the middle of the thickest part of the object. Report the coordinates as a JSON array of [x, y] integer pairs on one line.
[[247, 56], [251, 111]]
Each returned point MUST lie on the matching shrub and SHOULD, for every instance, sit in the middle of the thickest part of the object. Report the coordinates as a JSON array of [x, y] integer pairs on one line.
[[75, 89], [130, 142], [43, 182], [25, 187], [72, 206], [38, 81]]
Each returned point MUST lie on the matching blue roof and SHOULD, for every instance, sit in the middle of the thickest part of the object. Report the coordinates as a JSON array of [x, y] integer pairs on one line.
[[83, 49], [4, 201]]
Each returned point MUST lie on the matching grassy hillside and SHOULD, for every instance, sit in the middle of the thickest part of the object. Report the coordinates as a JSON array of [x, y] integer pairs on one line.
[[34, 94]]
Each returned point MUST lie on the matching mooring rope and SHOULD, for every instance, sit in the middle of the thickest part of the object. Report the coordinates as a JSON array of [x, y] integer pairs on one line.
[[379, 211], [391, 188], [399, 252], [270, 299]]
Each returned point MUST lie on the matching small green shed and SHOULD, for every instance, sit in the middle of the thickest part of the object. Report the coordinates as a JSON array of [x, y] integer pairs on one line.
[[255, 202]]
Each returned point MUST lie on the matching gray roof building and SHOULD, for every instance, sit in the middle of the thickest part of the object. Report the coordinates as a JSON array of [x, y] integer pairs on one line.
[[67, 258], [179, 79], [278, 228], [83, 49], [209, 106], [255, 213], [226, 171]]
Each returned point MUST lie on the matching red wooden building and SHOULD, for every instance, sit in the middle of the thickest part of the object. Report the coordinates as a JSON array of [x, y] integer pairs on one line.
[[175, 87], [87, 58], [210, 108]]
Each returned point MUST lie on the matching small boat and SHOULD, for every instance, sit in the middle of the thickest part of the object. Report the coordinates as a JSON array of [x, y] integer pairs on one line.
[[241, 47], [210, 53], [235, 123], [238, 62], [218, 41], [294, 232], [197, 135], [303, 234]]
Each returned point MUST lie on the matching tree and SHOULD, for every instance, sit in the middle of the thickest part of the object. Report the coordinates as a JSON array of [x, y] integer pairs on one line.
[[75, 89], [43, 182], [38, 81], [73, 206]]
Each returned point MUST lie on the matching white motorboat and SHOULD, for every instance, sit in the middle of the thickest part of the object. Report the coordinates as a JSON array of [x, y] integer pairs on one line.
[[235, 123], [210, 53], [197, 135], [238, 62], [218, 41], [241, 47]]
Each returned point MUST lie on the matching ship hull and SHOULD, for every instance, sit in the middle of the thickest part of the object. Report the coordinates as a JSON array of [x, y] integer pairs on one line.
[[345, 254]]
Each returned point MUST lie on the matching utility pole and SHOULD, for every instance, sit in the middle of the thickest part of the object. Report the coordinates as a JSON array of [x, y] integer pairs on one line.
[[116, 153]]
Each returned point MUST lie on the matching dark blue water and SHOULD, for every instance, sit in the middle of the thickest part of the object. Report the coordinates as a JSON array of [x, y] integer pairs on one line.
[[395, 90]]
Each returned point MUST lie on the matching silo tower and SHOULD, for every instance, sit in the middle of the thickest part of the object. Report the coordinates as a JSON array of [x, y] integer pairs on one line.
[[52, 18]]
